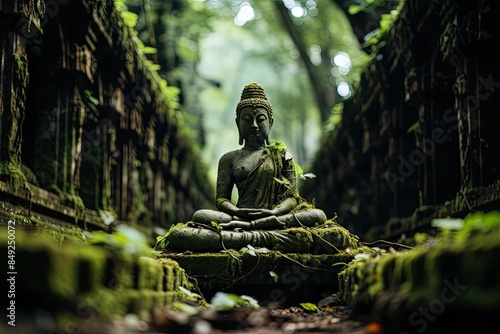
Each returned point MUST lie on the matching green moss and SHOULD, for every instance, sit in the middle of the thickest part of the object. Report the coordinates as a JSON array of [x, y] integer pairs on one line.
[[10, 159], [12, 173], [418, 276]]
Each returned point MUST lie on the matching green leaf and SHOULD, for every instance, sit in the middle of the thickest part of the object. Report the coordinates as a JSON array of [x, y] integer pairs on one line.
[[280, 145], [354, 9], [227, 301], [98, 237], [307, 175], [90, 98], [274, 276], [124, 239], [309, 307], [414, 127], [149, 50], [185, 308], [362, 256], [129, 18], [120, 5], [162, 242], [251, 250], [251, 302], [454, 224], [190, 294], [298, 169]]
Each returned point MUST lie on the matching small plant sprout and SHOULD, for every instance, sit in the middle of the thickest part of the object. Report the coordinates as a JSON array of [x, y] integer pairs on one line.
[[274, 276], [309, 307], [189, 294], [251, 250]]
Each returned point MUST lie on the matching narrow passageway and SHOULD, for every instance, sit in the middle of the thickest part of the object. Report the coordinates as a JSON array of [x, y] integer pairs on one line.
[[362, 140]]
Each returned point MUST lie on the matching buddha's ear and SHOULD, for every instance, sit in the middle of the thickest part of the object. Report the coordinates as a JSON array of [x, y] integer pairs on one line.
[[271, 121], [240, 139]]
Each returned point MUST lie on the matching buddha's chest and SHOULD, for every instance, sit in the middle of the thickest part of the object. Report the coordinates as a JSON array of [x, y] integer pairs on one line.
[[245, 162]]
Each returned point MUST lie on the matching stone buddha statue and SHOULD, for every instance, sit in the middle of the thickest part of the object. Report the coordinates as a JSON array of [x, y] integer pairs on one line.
[[269, 212]]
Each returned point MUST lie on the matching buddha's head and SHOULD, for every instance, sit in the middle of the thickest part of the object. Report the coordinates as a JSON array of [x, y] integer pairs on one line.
[[254, 113]]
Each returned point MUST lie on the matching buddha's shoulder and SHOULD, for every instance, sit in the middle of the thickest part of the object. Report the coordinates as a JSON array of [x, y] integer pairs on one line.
[[230, 155]]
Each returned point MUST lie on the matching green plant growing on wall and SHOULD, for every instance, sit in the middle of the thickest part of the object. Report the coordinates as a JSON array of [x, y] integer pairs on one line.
[[124, 240]]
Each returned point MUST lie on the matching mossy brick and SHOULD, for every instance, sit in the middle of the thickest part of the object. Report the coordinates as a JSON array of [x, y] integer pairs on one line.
[[417, 268], [169, 279], [29, 261], [418, 277], [91, 268], [121, 273], [219, 270], [150, 275], [139, 300]]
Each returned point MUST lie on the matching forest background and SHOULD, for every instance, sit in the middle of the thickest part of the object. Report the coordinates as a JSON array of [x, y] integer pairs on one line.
[[305, 54]]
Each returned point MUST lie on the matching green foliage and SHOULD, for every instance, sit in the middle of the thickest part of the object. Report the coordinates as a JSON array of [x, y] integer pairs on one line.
[[309, 307], [185, 308], [386, 23], [298, 169], [478, 223], [91, 103], [226, 301], [161, 242], [278, 145], [107, 217], [251, 250], [189, 294], [461, 230], [307, 176], [125, 239], [274, 276], [129, 18], [335, 118], [414, 127], [215, 226], [420, 238], [454, 224], [361, 256]]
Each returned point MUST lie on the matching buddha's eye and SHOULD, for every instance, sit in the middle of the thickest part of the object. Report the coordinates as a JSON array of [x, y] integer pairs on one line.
[[261, 118], [247, 118]]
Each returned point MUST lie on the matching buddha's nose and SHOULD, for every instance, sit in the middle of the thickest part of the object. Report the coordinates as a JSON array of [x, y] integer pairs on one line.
[[254, 124]]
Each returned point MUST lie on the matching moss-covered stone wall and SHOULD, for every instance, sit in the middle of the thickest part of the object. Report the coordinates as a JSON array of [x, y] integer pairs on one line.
[[59, 275], [445, 285], [86, 116], [421, 130]]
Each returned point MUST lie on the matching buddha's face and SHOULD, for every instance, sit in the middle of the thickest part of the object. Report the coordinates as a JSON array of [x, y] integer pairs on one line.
[[254, 125]]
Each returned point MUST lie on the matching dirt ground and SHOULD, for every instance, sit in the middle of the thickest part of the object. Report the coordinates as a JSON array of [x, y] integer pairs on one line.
[[330, 317]]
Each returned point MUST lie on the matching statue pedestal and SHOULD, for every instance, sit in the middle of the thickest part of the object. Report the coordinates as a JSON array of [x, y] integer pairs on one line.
[[269, 276]]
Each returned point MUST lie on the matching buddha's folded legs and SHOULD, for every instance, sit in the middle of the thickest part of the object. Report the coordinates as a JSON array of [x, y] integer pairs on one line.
[[308, 218], [206, 216], [205, 239]]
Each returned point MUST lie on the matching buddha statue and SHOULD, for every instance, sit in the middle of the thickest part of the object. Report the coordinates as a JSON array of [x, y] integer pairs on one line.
[[269, 211]]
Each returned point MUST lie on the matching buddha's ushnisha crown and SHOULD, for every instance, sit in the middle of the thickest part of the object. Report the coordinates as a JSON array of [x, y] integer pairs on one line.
[[253, 95]]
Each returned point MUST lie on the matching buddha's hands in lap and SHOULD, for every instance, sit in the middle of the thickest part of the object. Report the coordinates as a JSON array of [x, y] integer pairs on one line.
[[251, 214], [234, 224], [239, 220]]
